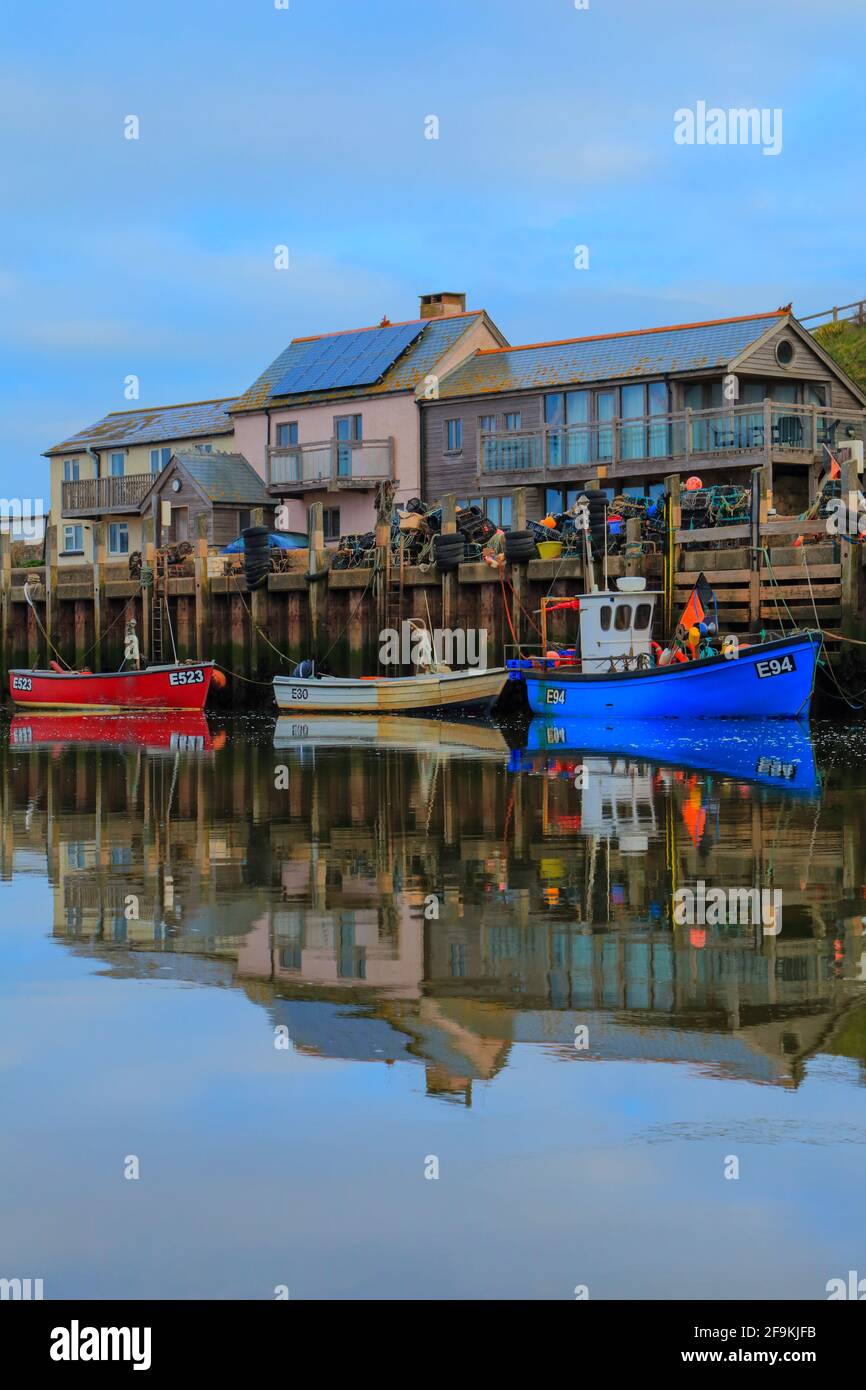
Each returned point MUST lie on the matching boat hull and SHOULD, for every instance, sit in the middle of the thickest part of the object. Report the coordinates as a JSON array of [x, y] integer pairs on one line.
[[772, 680], [477, 690], [177, 687]]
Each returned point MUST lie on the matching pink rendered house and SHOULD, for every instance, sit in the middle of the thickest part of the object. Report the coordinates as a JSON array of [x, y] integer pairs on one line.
[[336, 414]]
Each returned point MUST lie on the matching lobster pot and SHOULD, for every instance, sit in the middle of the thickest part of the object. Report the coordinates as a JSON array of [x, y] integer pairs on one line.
[[257, 558]]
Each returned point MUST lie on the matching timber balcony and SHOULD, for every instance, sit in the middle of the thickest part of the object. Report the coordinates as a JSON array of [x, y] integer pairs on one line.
[[330, 466], [722, 437], [96, 497]]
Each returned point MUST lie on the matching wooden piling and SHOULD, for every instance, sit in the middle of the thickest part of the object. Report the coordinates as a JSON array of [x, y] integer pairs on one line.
[[316, 594], [449, 581], [148, 557], [258, 610], [673, 510], [519, 583], [6, 602], [849, 551], [634, 558], [51, 601], [98, 591], [203, 639]]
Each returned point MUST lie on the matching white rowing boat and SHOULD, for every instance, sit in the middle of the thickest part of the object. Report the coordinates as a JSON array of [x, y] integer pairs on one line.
[[473, 689]]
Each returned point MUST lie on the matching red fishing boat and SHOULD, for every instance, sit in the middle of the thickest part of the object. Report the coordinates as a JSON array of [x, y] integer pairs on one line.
[[181, 686]]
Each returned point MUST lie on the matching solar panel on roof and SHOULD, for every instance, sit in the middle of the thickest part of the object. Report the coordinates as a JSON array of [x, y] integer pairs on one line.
[[348, 359]]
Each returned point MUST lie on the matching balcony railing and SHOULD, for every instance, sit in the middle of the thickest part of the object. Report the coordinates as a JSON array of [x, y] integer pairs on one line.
[[331, 464], [768, 428], [98, 496]]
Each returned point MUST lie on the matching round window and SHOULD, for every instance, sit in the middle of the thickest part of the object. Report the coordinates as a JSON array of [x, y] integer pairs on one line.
[[784, 352]]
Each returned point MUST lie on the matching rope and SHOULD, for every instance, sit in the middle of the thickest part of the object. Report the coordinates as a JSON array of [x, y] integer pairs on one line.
[[92, 648], [238, 677]]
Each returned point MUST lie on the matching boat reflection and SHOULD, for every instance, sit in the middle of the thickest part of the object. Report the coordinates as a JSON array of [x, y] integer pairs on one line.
[[401, 897], [169, 731], [773, 753]]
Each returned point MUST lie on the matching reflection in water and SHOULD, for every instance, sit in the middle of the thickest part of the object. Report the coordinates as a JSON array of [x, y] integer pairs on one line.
[[423, 895]]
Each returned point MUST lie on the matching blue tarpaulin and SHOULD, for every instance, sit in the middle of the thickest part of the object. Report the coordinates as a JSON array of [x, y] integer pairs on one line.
[[283, 540]]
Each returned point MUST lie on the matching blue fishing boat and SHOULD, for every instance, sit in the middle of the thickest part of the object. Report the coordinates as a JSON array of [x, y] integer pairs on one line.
[[621, 673], [778, 755]]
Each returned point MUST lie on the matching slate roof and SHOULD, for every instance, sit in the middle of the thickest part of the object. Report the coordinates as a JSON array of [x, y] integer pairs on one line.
[[404, 374], [158, 425], [644, 352], [225, 477]]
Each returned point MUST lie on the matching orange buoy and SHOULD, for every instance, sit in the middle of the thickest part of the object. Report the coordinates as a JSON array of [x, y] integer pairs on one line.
[[219, 680]]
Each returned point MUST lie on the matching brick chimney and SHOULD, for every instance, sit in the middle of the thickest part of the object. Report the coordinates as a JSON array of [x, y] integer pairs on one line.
[[442, 306]]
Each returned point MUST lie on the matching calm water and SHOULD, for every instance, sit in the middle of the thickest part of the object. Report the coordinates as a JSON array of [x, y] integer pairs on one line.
[[290, 972]]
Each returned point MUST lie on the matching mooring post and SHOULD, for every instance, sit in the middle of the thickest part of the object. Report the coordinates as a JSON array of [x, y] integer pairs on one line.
[[449, 581], [148, 553], [258, 608], [202, 591], [758, 508], [98, 591], [674, 513], [849, 551], [6, 602], [518, 571], [51, 610], [633, 553], [382, 561], [316, 592]]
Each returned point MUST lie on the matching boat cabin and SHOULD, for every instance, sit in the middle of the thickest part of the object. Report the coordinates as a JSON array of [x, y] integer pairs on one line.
[[616, 630]]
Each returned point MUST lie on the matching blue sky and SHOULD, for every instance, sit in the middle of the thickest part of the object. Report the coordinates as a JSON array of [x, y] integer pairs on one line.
[[305, 127]]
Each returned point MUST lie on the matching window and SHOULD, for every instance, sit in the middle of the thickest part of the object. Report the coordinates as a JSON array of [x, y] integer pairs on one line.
[[604, 619], [487, 423], [348, 427], [642, 615], [117, 463], [453, 436], [498, 510], [70, 470], [244, 519], [158, 459], [622, 620], [73, 540], [784, 352], [347, 431], [331, 523], [514, 420], [205, 448], [118, 538], [287, 435]]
